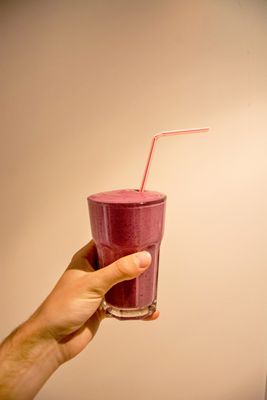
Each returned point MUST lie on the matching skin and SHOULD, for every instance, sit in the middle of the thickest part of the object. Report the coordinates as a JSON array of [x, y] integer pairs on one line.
[[64, 323]]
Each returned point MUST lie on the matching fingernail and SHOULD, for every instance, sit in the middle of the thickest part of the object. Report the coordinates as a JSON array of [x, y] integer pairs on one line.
[[144, 259]]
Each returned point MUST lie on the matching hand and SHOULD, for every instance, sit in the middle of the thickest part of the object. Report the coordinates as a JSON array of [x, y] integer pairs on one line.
[[64, 323], [71, 314]]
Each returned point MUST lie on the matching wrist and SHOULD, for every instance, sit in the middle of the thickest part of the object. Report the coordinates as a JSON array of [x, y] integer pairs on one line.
[[27, 359]]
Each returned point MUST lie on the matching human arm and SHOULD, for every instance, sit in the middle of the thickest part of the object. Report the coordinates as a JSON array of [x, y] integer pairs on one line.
[[63, 324]]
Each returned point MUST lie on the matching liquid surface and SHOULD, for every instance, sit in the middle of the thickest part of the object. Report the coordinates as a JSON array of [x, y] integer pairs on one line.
[[127, 196]]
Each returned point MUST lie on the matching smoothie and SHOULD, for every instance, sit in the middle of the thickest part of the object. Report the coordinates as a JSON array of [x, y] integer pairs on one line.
[[124, 222]]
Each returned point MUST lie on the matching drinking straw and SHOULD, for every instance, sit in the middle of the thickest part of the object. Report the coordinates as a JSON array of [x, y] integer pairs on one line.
[[154, 140]]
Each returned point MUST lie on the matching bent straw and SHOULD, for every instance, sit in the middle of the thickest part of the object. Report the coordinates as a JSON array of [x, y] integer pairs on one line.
[[155, 138]]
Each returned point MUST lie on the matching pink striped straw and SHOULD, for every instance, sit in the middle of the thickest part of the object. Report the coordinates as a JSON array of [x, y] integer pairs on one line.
[[155, 138]]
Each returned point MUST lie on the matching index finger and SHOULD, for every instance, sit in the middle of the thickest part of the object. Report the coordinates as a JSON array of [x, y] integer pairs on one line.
[[87, 252], [152, 317]]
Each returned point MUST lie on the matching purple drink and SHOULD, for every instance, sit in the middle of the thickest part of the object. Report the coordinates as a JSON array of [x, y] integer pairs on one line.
[[125, 222]]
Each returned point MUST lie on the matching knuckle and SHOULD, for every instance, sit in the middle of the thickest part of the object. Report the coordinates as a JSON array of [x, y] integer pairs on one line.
[[75, 257], [121, 266], [124, 266], [95, 285]]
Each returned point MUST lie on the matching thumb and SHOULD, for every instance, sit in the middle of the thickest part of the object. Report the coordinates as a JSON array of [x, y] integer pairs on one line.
[[123, 269]]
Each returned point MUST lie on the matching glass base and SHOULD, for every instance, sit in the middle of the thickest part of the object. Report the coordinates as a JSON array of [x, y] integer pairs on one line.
[[125, 314]]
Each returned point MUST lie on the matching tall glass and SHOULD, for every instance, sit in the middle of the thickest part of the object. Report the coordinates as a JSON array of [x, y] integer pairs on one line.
[[125, 222]]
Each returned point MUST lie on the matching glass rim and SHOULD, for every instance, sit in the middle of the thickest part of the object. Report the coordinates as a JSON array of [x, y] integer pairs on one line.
[[140, 203]]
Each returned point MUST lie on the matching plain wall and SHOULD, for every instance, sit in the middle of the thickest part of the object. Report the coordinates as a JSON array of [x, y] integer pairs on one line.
[[84, 86]]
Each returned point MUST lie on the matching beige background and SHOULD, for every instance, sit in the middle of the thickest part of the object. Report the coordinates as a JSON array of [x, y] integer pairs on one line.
[[84, 85]]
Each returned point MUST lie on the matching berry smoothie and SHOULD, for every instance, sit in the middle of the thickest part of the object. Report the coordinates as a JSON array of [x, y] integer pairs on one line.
[[124, 222]]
